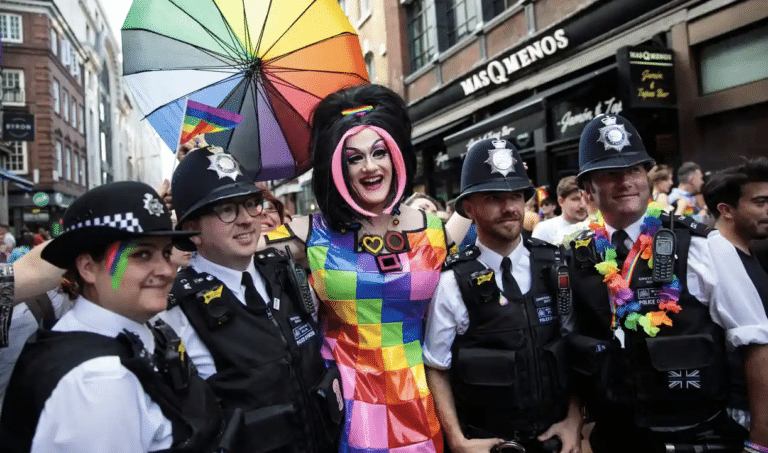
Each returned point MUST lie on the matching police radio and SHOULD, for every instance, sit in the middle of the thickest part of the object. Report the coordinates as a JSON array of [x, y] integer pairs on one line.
[[563, 290], [300, 283], [663, 255]]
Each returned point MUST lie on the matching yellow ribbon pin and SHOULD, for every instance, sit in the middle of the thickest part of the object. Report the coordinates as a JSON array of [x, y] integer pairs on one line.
[[484, 278], [584, 243], [210, 295]]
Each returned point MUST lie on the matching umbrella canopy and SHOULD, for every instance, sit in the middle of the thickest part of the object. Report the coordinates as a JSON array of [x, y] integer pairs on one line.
[[270, 61]]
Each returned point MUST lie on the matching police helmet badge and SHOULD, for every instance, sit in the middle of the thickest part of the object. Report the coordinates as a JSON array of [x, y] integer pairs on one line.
[[153, 205], [613, 136], [500, 158], [223, 164]]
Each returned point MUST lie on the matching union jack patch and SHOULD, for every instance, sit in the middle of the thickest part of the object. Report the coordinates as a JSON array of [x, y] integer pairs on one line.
[[684, 379]]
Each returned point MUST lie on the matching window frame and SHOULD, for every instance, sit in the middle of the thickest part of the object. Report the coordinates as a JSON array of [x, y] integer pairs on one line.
[[8, 39], [453, 31], [59, 147], [56, 93], [21, 85], [65, 105], [12, 158], [427, 34]]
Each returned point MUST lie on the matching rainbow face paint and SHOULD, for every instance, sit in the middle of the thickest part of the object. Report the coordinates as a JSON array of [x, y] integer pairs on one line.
[[117, 260]]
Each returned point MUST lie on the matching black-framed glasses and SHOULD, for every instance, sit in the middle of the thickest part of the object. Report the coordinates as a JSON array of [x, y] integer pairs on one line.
[[227, 212]]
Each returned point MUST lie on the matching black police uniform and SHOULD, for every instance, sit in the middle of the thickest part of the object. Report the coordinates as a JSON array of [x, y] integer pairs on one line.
[[268, 361], [509, 372], [674, 380], [184, 397]]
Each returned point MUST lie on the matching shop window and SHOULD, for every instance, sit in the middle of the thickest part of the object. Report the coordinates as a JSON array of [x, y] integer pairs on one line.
[[13, 87], [421, 32], [734, 61], [55, 93], [370, 67], [460, 20], [17, 160], [10, 28]]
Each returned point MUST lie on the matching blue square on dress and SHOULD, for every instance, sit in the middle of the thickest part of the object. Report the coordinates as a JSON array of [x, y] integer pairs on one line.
[[341, 259], [397, 286], [412, 331], [370, 285]]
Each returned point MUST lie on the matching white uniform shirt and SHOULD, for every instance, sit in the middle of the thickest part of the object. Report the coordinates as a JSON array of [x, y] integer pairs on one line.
[[100, 406], [715, 286], [175, 317], [448, 316], [555, 229]]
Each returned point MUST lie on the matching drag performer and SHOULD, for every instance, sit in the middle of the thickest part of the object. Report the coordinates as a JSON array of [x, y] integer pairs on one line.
[[103, 380], [374, 264]]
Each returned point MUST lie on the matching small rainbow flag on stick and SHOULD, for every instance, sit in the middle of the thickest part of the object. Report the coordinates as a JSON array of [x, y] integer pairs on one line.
[[204, 119]]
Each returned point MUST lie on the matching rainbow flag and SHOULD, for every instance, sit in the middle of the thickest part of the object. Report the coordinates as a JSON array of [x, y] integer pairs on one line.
[[204, 119]]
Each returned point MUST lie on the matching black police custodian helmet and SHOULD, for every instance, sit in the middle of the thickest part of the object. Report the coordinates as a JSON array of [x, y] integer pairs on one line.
[[610, 141], [204, 177], [109, 213], [492, 165]]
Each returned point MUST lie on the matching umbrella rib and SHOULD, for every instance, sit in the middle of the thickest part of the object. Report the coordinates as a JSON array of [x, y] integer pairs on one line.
[[281, 70], [289, 27], [294, 86], [307, 46], [233, 49], [248, 43], [188, 94], [269, 106], [264, 27]]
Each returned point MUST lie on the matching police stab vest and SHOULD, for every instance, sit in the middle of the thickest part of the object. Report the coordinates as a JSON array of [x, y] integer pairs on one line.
[[267, 360], [509, 373], [678, 377], [187, 401]]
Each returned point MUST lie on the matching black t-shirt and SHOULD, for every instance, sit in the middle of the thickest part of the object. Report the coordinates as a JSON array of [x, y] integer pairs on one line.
[[757, 274]]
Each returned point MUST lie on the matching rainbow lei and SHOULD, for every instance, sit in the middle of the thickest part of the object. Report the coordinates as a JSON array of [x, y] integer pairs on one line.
[[623, 302]]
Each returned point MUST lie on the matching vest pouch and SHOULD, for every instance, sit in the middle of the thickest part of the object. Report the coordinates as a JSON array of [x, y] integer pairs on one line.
[[492, 378], [602, 369], [269, 429], [329, 401], [681, 369]]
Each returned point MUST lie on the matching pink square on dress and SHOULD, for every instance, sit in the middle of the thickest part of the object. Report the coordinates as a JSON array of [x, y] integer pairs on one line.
[[368, 426]]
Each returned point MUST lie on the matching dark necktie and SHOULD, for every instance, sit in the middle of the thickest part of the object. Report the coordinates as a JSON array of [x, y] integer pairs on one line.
[[619, 241], [510, 288], [252, 297]]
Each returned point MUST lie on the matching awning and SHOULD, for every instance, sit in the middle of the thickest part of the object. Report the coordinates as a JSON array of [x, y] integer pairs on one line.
[[439, 131], [520, 118], [25, 184]]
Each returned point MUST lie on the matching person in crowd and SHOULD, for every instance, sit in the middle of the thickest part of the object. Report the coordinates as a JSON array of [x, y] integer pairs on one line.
[[661, 178], [571, 200], [423, 202], [494, 315], [539, 207], [26, 244], [41, 236], [651, 352], [375, 263], [738, 197], [273, 214], [683, 197], [246, 318], [8, 240], [532, 216], [198, 141], [104, 380]]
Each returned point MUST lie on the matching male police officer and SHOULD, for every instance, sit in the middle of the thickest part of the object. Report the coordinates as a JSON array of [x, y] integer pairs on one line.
[[648, 341], [246, 317], [496, 360]]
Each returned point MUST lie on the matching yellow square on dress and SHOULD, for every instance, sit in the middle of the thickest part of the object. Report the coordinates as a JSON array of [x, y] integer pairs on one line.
[[436, 238], [369, 335], [421, 379], [345, 310], [394, 357]]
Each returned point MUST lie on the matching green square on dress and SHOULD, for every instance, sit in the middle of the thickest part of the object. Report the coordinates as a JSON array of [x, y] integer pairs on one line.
[[434, 221], [369, 311], [316, 256], [340, 285], [413, 352], [391, 334]]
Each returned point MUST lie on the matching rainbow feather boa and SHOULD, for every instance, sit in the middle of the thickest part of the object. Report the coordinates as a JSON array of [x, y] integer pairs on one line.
[[623, 303]]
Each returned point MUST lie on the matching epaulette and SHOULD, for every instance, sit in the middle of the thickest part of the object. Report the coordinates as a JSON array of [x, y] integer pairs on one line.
[[468, 254], [271, 256], [697, 228], [188, 281], [534, 242]]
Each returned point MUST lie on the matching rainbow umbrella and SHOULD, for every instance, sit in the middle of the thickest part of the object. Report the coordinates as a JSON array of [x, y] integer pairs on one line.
[[270, 61]]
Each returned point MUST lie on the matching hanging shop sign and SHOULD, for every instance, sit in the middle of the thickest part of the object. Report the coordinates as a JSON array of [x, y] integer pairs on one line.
[[648, 76], [18, 127]]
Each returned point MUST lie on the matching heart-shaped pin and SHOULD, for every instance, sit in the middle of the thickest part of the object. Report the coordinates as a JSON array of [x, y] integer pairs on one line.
[[373, 244]]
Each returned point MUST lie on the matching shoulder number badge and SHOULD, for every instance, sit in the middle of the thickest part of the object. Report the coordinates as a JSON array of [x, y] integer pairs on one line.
[[613, 136], [500, 158], [224, 165]]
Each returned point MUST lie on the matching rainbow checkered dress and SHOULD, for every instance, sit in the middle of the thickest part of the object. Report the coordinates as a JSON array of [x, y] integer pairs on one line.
[[373, 330]]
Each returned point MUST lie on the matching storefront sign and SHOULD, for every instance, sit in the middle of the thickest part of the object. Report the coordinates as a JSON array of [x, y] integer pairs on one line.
[[648, 74], [40, 199], [582, 104], [18, 127], [501, 70], [519, 131]]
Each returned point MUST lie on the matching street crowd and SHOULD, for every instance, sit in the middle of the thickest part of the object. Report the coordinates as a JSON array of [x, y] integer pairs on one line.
[[634, 321]]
